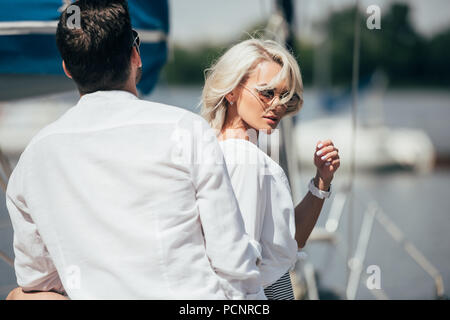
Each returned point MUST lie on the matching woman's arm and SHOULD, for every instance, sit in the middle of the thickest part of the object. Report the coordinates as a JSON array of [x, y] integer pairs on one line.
[[307, 212], [18, 294], [326, 159]]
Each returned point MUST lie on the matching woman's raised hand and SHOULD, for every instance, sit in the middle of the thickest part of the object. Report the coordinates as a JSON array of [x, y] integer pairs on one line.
[[326, 159]]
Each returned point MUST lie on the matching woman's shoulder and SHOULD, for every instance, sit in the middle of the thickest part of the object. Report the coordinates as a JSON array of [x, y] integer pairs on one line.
[[239, 145], [241, 151]]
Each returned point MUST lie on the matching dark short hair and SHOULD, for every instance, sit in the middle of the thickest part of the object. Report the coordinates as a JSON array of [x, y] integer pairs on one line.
[[97, 55]]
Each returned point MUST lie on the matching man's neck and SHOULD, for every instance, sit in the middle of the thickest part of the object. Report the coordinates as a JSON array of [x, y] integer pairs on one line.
[[132, 89]]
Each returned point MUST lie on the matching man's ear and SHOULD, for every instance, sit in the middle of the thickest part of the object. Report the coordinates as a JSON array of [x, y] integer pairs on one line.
[[136, 58], [66, 71]]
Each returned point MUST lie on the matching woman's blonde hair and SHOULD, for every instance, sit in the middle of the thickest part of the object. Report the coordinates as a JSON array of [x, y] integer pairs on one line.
[[234, 67]]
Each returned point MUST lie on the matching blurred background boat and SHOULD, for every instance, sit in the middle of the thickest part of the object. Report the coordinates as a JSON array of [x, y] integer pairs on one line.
[[378, 145]]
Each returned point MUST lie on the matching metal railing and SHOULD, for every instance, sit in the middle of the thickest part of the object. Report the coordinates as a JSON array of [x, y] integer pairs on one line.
[[373, 213]]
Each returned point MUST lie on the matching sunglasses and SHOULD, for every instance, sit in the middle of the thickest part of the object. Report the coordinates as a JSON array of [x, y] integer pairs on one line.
[[267, 96], [136, 40]]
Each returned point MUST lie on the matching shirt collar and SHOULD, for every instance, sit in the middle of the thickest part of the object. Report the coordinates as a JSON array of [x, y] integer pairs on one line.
[[108, 94]]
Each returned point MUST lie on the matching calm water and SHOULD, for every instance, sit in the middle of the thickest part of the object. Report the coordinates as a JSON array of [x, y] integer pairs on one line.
[[418, 204]]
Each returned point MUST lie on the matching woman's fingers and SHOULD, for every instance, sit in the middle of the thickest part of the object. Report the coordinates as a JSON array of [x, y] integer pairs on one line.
[[335, 163], [326, 158], [327, 152], [329, 156], [324, 143], [324, 150]]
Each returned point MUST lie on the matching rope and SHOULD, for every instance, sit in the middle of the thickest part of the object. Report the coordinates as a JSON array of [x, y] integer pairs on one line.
[[6, 169], [7, 259], [355, 80]]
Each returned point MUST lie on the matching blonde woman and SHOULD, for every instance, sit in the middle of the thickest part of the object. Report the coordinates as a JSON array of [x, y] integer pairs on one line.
[[251, 88]]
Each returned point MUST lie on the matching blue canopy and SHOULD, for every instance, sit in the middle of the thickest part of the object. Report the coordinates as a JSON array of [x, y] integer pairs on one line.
[[28, 45]]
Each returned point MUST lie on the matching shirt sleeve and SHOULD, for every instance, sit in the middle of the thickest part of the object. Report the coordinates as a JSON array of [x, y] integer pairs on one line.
[[264, 198], [33, 265], [279, 248], [247, 178], [232, 253]]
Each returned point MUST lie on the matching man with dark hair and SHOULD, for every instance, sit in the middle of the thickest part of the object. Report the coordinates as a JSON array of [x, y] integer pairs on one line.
[[97, 55], [122, 198]]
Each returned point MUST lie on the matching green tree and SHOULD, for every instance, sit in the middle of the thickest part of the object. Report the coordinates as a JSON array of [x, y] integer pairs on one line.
[[405, 56]]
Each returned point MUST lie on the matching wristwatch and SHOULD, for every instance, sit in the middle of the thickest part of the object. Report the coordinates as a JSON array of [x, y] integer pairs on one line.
[[317, 192]]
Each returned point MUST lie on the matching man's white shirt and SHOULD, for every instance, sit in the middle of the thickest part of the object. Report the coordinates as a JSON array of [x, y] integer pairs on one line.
[[122, 198]]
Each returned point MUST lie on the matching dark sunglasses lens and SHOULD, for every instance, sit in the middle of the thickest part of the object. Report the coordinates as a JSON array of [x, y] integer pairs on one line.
[[293, 101], [267, 94]]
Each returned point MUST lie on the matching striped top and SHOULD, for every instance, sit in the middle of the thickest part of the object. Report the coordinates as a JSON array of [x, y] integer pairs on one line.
[[281, 289]]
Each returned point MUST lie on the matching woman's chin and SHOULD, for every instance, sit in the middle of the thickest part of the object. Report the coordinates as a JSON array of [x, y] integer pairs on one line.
[[266, 128], [269, 129]]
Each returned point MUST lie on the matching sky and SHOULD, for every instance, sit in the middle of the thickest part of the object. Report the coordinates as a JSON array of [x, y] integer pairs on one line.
[[217, 21]]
